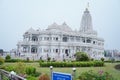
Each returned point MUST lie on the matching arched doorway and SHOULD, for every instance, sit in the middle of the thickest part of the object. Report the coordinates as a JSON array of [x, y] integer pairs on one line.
[[33, 50]]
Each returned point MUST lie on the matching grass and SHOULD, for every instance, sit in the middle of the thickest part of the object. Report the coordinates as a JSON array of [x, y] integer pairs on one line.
[[109, 67]]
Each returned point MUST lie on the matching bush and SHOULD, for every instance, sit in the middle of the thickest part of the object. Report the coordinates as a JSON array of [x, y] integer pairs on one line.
[[92, 59], [30, 70], [17, 60], [13, 60], [81, 56], [90, 75], [1, 60], [44, 77], [31, 78], [20, 68], [8, 68], [102, 59], [72, 64], [7, 57]]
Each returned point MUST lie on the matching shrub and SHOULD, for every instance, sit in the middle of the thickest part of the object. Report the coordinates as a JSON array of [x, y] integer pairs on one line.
[[8, 68], [48, 59], [101, 75], [20, 68], [92, 59], [102, 59], [31, 78], [7, 57], [72, 64], [81, 56], [44, 77], [12, 60], [30, 70], [1, 60]]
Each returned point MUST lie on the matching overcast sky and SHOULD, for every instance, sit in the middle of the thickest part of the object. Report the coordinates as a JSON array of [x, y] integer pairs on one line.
[[17, 16]]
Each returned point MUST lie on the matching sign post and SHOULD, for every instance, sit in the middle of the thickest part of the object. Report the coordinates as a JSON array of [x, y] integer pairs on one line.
[[61, 76]]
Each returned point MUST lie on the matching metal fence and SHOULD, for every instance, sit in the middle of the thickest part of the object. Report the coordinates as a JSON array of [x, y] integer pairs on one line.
[[5, 75]]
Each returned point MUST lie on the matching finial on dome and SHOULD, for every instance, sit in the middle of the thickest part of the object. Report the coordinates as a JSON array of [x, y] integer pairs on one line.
[[87, 6]]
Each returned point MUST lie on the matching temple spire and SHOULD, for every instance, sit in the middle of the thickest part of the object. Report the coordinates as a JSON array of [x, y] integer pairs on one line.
[[86, 22]]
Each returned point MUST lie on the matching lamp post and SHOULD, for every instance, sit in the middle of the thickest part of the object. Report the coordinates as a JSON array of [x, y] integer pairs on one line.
[[11, 75], [73, 73], [51, 69]]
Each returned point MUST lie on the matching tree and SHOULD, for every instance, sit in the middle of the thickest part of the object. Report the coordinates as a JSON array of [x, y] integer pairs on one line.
[[7, 57], [81, 56], [102, 59]]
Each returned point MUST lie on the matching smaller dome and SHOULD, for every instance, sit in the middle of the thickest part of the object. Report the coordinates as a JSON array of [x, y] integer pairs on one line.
[[31, 31], [63, 27], [53, 26]]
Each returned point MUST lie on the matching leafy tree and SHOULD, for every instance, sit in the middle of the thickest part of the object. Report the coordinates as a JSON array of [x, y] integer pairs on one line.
[[81, 56], [48, 58], [102, 59], [7, 57]]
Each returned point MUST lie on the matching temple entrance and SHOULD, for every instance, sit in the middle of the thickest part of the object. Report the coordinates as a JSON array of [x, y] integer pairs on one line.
[[66, 52], [34, 38], [33, 50]]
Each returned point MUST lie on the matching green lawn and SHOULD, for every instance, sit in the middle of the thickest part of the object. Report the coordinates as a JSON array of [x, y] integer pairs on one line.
[[109, 67]]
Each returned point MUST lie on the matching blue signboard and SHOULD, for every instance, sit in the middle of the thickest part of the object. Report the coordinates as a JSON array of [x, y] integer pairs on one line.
[[61, 76]]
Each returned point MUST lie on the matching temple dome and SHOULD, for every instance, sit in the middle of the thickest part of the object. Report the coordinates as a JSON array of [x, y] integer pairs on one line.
[[63, 27], [53, 26]]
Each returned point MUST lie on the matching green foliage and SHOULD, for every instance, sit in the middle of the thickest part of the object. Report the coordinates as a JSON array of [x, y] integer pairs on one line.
[[92, 59], [1, 60], [12, 60], [7, 57], [8, 68], [30, 70], [31, 78], [44, 77], [72, 64], [17, 60], [81, 56], [90, 75], [102, 59], [20, 68], [49, 58]]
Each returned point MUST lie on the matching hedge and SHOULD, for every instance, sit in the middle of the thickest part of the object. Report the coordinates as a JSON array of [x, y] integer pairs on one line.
[[72, 64], [17, 60]]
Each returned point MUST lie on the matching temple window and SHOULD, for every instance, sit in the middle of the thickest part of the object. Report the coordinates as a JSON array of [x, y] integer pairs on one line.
[[93, 42], [65, 39], [56, 38], [88, 41], [56, 50], [66, 52]]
